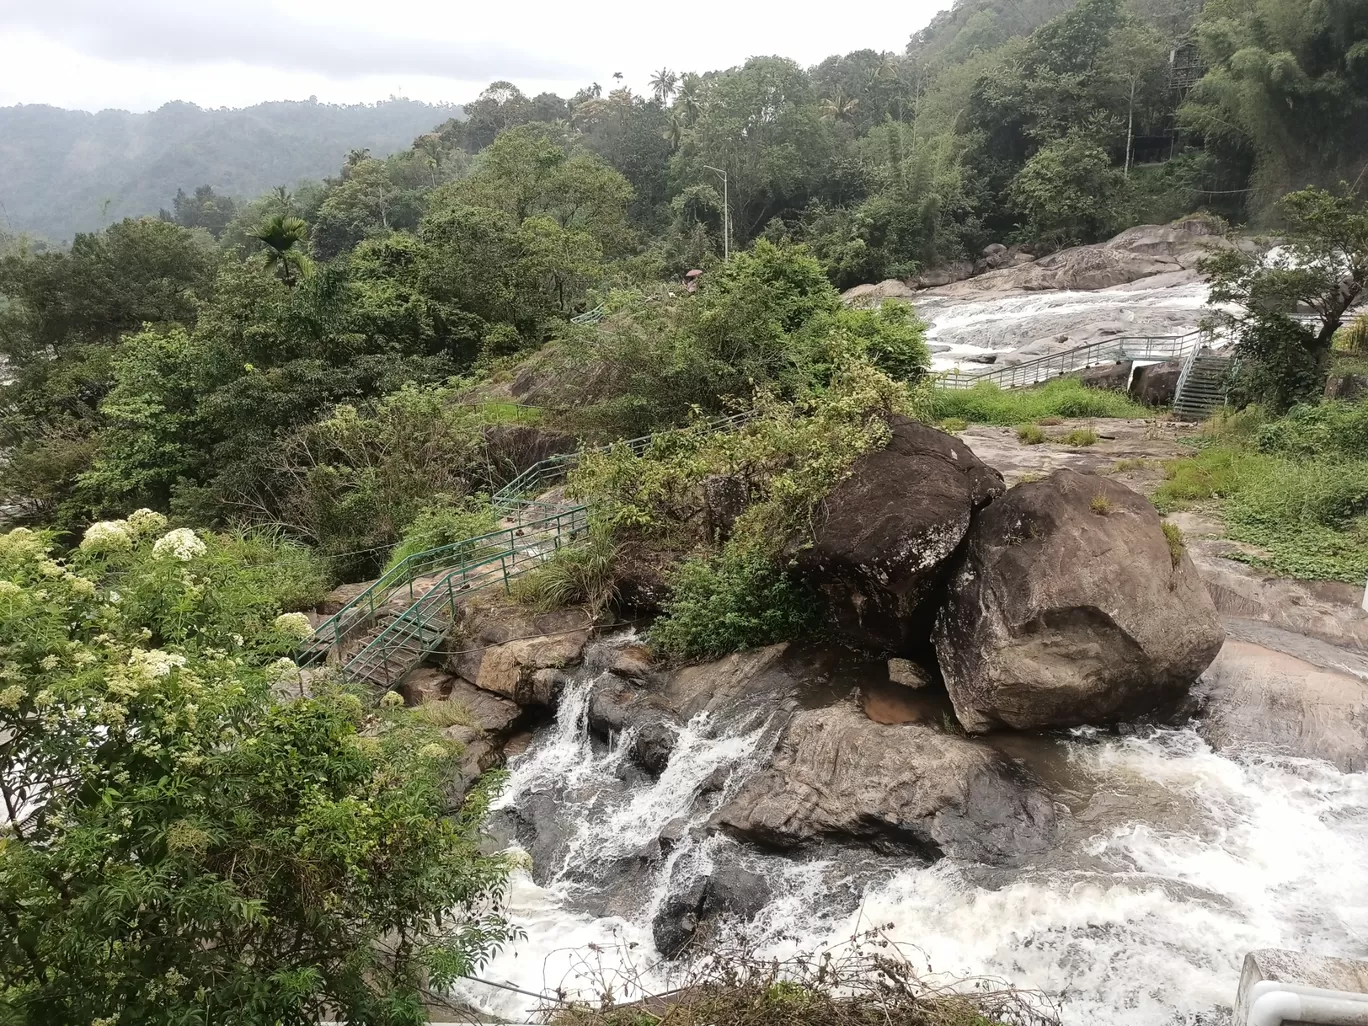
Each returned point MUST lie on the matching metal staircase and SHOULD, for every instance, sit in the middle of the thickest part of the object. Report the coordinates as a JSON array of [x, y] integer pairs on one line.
[[386, 631], [1201, 385]]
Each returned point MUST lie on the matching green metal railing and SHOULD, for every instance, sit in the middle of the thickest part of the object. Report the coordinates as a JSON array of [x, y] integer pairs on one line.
[[331, 636], [538, 530], [1034, 372]]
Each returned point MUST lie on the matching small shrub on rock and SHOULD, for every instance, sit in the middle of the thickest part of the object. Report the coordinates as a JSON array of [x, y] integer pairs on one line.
[[1031, 434]]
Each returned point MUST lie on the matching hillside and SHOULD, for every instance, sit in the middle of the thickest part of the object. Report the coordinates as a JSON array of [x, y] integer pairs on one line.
[[61, 166]]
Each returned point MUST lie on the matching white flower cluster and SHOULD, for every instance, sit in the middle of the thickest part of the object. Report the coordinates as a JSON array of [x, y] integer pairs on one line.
[[153, 662], [21, 543], [182, 544], [145, 522], [107, 536], [294, 625]]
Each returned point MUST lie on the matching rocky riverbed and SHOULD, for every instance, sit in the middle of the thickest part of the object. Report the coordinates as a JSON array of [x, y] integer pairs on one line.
[[1115, 836]]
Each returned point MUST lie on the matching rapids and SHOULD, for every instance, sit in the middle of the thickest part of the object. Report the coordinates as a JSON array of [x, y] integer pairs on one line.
[[1001, 321], [1171, 863]]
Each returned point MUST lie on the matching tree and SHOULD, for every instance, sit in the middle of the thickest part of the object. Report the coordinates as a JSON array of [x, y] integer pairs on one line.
[[186, 843], [1066, 192], [839, 107], [1321, 264], [761, 124], [204, 210], [1286, 89], [663, 84], [283, 238]]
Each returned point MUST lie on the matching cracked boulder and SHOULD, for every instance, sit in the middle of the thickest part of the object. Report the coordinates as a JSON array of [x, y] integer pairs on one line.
[[884, 536]]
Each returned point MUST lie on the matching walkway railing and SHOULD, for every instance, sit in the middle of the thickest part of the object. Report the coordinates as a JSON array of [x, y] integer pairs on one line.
[[424, 586], [1033, 372]]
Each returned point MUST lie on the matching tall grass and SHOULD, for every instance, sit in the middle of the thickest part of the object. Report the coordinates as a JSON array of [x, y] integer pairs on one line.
[[1296, 486], [1064, 397]]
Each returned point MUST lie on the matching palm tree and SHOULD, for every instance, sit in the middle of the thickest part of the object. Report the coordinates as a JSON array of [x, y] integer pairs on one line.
[[617, 76], [673, 130], [690, 97], [283, 236], [839, 107], [595, 90], [663, 84], [430, 146]]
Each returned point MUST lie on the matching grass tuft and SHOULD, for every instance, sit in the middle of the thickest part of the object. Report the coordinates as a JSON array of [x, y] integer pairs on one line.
[[954, 425], [1100, 504], [1080, 437], [1030, 434], [1173, 534]]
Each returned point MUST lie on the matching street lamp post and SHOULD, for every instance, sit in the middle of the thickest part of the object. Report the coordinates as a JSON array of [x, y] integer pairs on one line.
[[726, 213]]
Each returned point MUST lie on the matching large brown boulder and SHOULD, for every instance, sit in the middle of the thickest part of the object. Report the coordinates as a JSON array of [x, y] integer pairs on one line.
[[885, 534], [838, 775], [1071, 606]]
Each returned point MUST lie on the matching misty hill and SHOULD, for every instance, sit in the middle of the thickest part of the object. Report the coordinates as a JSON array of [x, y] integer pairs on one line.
[[61, 166]]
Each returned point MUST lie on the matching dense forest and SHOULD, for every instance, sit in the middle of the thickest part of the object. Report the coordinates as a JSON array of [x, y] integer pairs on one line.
[[263, 388], [68, 171], [190, 362]]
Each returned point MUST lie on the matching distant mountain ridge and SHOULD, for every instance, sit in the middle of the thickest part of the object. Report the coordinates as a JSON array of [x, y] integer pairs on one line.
[[67, 171]]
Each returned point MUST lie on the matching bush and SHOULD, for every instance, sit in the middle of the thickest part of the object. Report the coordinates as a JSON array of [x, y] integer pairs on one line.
[[953, 425], [445, 522], [985, 403], [729, 602], [576, 574], [1030, 434], [170, 812]]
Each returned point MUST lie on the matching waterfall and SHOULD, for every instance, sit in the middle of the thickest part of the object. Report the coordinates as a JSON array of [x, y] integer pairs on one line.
[[1172, 862]]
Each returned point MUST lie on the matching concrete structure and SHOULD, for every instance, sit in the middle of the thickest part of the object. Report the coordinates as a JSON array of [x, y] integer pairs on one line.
[[1287, 988]]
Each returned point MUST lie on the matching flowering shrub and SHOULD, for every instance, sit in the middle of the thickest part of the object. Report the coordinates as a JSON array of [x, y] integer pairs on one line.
[[148, 772], [294, 625], [107, 536], [145, 522], [182, 544]]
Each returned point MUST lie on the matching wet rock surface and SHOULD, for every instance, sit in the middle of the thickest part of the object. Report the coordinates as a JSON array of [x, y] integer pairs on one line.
[[1068, 607], [1310, 702], [837, 775], [886, 532]]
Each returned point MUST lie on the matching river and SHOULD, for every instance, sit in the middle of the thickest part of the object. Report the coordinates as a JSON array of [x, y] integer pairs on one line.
[[1171, 863], [996, 322]]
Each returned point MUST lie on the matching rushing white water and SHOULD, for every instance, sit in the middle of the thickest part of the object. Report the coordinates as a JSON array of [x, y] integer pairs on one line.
[[998, 322], [1172, 862]]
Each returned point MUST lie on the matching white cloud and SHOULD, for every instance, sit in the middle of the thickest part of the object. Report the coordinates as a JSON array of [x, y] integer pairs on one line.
[[138, 54]]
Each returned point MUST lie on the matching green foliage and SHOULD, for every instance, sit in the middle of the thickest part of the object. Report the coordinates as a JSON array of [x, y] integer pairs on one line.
[[985, 403], [579, 574], [953, 425], [1067, 192], [735, 600], [167, 813], [445, 521], [1321, 264], [1100, 504], [1296, 487], [1031, 434]]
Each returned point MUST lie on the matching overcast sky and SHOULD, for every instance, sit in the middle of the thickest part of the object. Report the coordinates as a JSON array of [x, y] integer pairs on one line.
[[138, 54]]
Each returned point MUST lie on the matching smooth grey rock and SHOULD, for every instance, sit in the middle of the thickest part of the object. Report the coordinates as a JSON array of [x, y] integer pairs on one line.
[[837, 775], [1068, 607]]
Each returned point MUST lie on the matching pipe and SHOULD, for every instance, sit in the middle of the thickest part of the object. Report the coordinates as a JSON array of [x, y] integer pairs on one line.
[[1272, 1003]]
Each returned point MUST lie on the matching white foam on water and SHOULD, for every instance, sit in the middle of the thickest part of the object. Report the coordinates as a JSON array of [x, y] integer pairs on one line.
[[1175, 863]]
